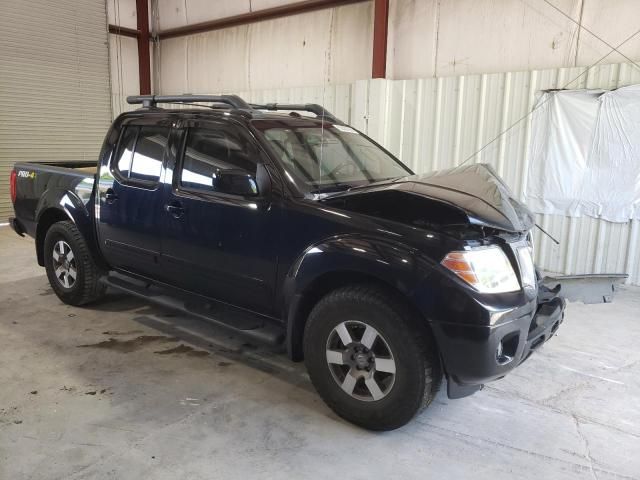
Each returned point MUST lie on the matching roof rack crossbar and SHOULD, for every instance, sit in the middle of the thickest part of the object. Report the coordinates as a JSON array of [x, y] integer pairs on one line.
[[149, 101], [319, 110]]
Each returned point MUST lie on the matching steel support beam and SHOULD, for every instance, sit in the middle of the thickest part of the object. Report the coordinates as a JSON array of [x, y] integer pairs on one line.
[[144, 57], [380, 30], [252, 17], [380, 33], [124, 31], [141, 34]]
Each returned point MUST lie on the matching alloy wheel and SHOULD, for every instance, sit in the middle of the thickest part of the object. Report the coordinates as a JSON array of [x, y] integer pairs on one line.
[[64, 264], [360, 361]]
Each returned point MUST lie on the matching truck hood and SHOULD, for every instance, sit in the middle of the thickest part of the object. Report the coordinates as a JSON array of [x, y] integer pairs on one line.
[[475, 191]]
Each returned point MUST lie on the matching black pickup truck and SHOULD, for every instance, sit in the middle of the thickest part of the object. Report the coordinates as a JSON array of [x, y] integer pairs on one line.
[[287, 225]]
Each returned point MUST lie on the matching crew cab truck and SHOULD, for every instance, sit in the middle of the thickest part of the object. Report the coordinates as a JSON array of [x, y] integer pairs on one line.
[[285, 224]]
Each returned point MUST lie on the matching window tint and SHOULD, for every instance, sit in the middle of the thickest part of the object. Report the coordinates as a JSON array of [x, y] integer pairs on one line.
[[215, 160], [147, 157], [123, 159]]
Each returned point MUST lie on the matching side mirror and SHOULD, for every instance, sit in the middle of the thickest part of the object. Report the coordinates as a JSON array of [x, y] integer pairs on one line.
[[239, 182], [263, 179]]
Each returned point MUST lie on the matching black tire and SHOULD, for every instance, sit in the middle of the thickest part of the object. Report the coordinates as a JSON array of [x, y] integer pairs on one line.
[[85, 287], [418, 373]]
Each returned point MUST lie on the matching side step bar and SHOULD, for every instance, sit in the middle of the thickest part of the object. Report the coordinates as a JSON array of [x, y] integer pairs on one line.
[[239, 321]]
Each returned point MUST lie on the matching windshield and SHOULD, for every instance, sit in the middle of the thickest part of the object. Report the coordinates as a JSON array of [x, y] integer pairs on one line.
[[334, 157]]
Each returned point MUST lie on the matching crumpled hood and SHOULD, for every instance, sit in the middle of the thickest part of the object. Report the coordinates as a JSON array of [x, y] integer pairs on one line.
[[476, 190]]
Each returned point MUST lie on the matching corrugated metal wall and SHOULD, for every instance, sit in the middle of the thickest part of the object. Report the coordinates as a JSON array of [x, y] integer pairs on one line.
[[437, 123], [54, 86]]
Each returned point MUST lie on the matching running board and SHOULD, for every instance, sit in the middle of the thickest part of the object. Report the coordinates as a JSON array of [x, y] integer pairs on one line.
[[251, 325]]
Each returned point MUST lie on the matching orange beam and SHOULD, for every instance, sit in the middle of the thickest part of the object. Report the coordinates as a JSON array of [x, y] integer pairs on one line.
[[380, 32], [144, 57]]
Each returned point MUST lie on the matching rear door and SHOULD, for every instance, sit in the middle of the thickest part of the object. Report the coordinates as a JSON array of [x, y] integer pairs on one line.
[[130, 197], [218, 238]]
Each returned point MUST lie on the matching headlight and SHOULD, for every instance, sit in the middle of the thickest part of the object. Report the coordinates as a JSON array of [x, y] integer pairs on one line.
[[527, 269], [486, 269]]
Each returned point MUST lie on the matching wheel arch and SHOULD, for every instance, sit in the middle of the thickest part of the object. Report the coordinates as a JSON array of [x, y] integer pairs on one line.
[[57, 205], [48, 217], [345, 261]]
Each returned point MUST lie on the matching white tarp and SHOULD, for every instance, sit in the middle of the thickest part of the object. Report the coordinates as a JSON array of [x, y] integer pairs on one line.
[[585, 154]]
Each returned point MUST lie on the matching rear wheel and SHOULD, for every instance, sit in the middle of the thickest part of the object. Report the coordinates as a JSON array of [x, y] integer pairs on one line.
[[370, 358], [72, 271]]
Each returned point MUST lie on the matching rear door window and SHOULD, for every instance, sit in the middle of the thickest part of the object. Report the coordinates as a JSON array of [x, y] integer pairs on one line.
[[148, 153], [125, 152], [140, 155]]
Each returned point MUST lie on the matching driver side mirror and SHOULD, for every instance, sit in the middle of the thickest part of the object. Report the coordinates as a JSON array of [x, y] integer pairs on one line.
[[240, 182]]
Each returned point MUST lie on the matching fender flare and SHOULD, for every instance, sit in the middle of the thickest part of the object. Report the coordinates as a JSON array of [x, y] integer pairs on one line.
[[58, 203], [345, 257]]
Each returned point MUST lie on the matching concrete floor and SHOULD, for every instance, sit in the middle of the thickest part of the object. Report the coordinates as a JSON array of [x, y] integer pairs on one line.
[[123, 390]]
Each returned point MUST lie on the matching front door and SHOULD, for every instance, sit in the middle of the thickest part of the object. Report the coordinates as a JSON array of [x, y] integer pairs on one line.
[[219, 231], [130, 199]]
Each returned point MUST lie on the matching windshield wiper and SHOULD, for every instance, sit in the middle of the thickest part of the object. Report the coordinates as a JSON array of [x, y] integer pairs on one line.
[[334, 187]]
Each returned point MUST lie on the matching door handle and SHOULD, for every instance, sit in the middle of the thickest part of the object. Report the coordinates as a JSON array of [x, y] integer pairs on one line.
[[175, 209], [110, 196]]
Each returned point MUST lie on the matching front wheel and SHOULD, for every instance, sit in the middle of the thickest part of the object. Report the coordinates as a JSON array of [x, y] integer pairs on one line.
[[369, 357], [72, 271]]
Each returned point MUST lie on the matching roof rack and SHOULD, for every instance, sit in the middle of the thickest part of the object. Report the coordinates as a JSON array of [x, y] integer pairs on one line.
[[319, 110], [149, 101], [234, 101]]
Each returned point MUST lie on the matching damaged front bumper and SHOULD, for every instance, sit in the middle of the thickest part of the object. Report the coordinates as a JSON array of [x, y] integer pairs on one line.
[[487, 353], [544, 325]]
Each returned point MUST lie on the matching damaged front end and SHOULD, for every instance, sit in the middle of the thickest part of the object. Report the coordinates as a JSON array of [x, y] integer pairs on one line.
[[486, 305], [471, 196]]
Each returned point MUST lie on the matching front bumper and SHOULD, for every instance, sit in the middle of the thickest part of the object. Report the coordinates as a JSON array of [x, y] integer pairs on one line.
[[544, 325], [474, 355]]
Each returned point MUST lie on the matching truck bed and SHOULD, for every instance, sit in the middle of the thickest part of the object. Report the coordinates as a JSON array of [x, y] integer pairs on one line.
[[40, 185], [86, 167]]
